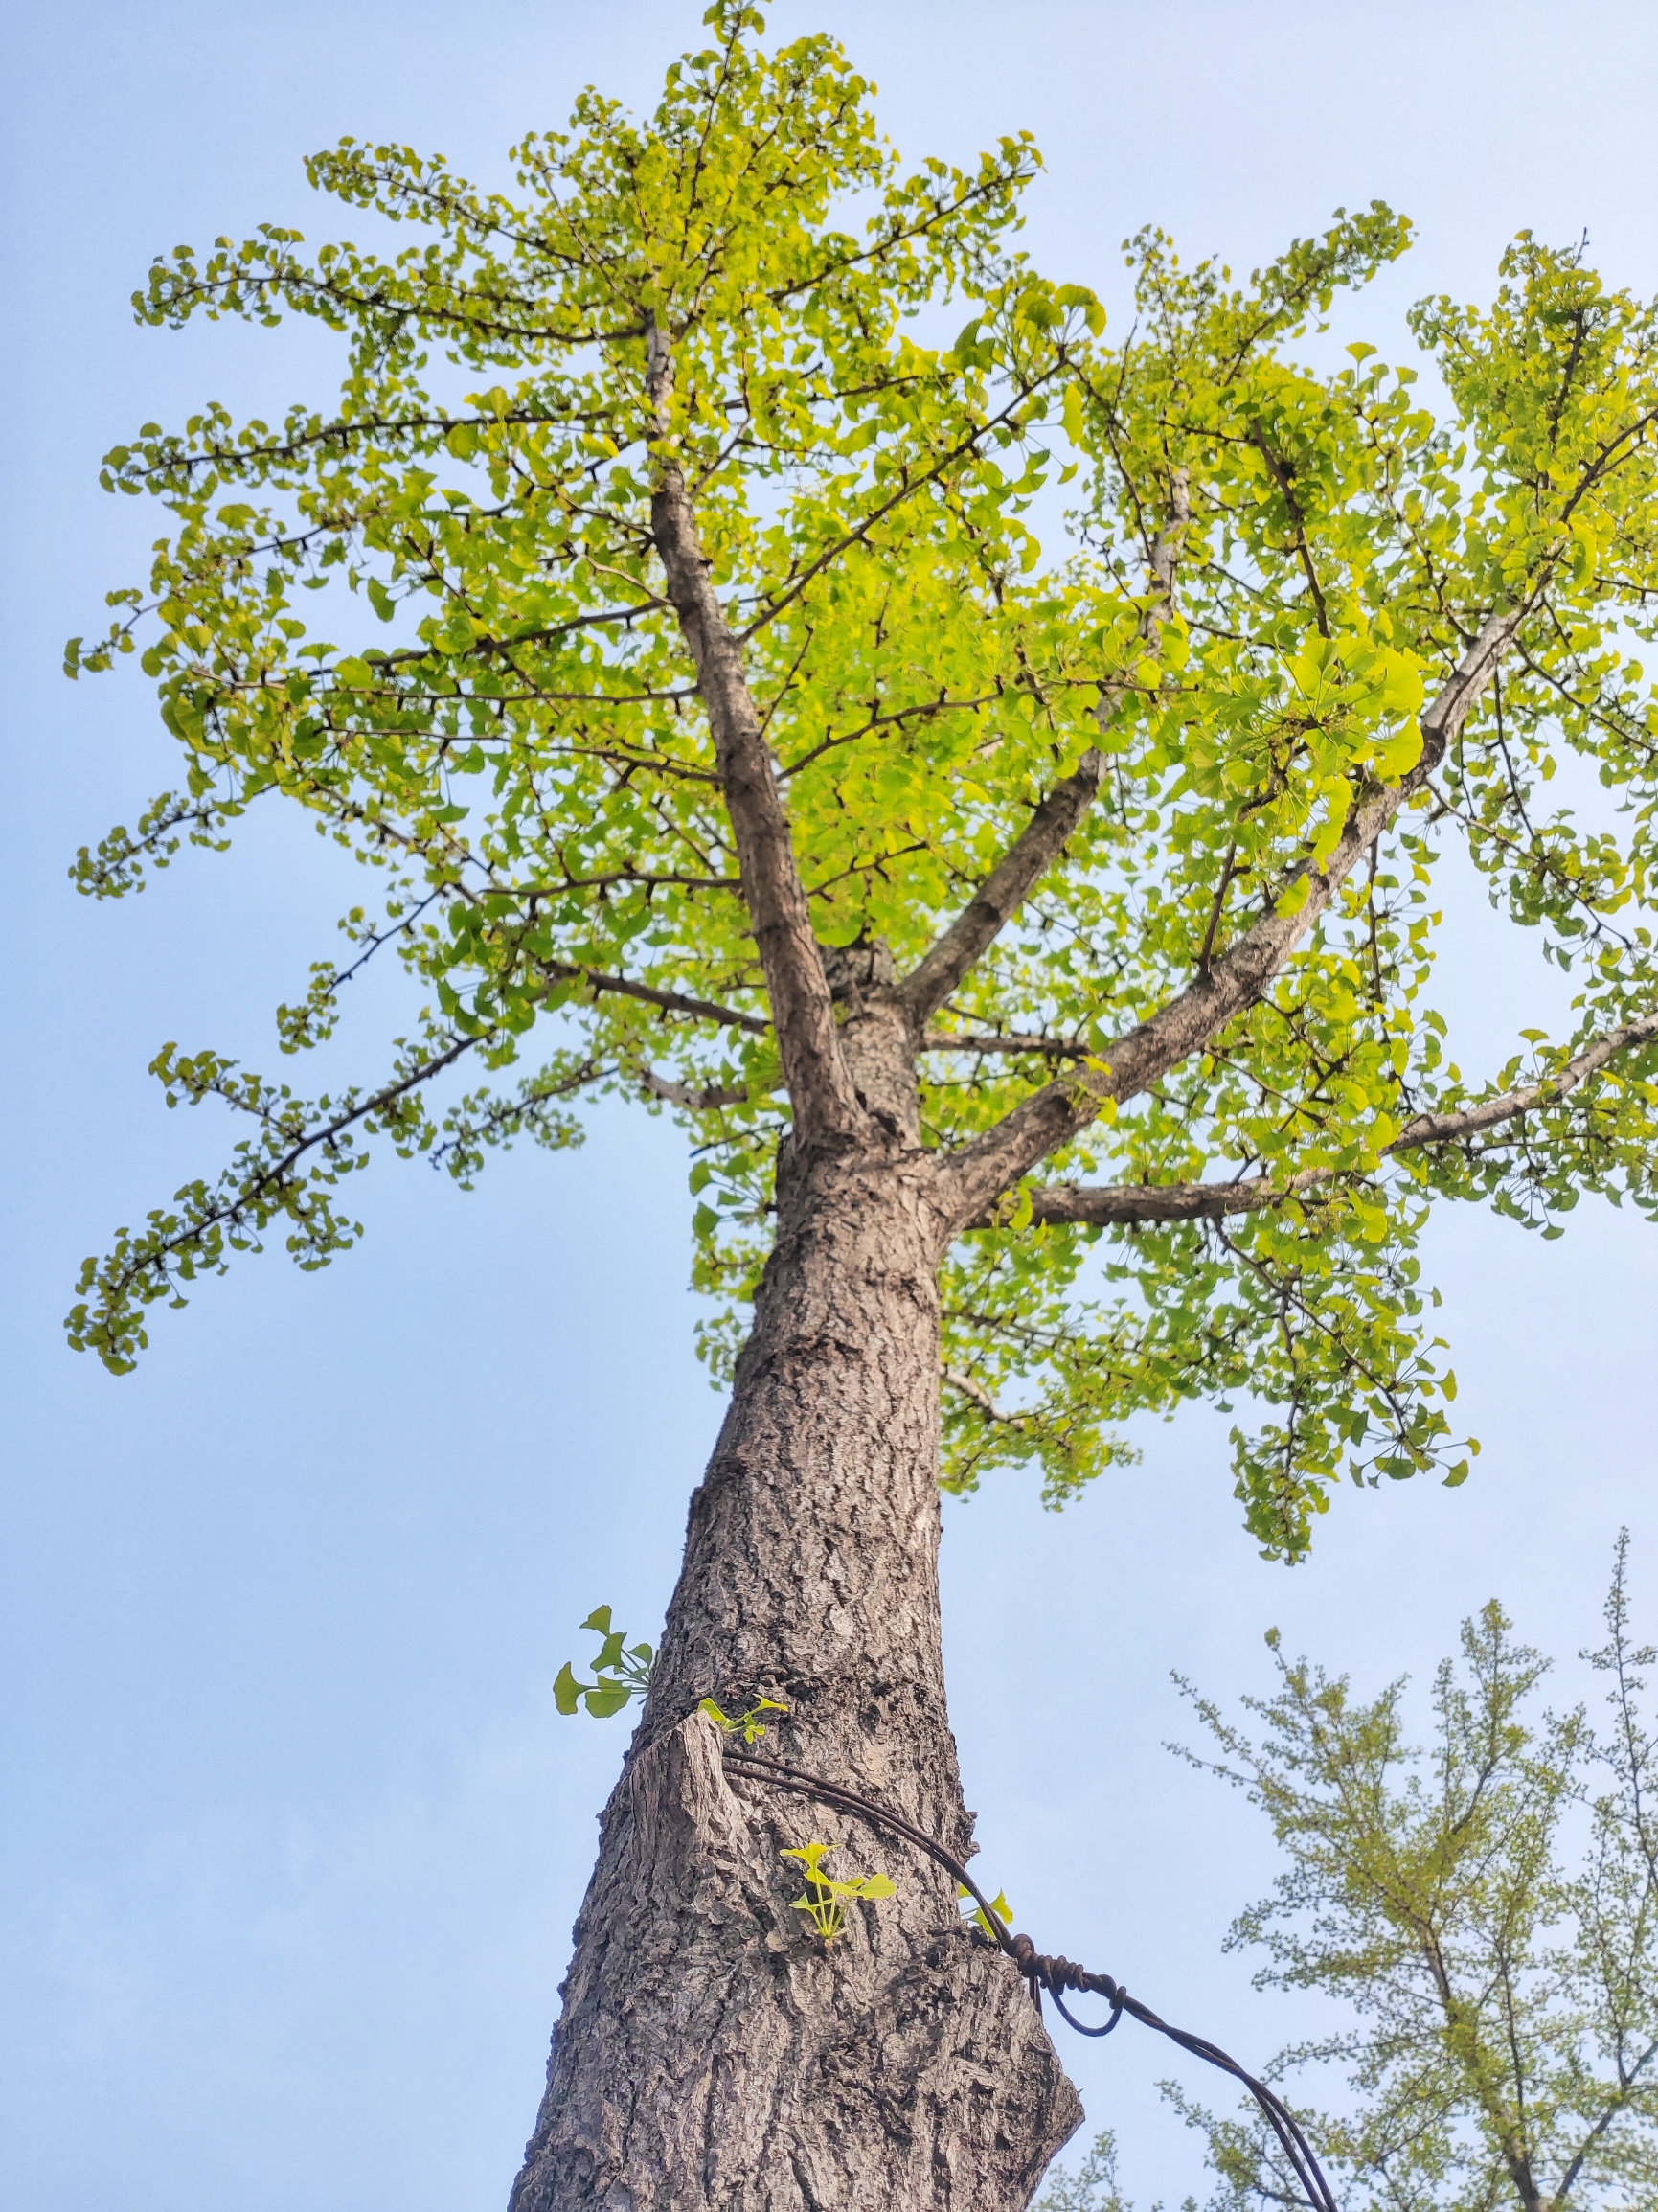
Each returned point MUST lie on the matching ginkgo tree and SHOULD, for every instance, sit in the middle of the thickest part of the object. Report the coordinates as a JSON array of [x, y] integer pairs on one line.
[[1034, 945]]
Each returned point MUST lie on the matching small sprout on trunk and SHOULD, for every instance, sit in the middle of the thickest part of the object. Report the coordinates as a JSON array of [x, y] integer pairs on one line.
[[824, 1902], [751, 1725], [999, 1906], [620, 1671]]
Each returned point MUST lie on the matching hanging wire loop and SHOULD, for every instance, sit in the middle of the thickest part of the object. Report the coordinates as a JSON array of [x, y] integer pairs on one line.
[[1055, 1974]]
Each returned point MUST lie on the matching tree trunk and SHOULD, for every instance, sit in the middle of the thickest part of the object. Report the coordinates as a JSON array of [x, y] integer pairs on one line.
[[713, 2051]]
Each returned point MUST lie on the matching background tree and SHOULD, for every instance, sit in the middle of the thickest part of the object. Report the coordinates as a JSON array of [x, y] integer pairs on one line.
[[1092, 2188], [1510, 2047], [727, 725]]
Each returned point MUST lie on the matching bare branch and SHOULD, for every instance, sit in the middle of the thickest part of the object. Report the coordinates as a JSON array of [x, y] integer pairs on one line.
[[1218, 905], [821, 1090], [977, 1395], [1105, 1204], [981, 187], [1281, 476], [671, 1001], [1162, 556], [238, 1204], [699, 1101], [1053, 1116], [942, 704], [228, 457], [908, 486], [485, 646], [630, 879]]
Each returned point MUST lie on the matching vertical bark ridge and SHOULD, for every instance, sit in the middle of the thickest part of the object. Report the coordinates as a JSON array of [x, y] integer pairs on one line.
[[712, 2052]]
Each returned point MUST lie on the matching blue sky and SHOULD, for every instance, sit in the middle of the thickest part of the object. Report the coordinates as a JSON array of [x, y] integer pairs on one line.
[[292, 1835]]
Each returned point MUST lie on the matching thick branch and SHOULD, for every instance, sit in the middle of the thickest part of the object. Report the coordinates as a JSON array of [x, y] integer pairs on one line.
[[1474, 1121], [1118, 1204], [701, 1102], [1198, 1013], [1104, 1205], [1618, 2103], [1044, 837], [967, 1041], [820, 1088]]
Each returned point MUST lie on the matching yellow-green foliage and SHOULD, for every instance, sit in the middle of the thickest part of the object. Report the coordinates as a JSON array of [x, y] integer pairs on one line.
[[622, 1671], [749, 1725], [514, 747], [826, 1900]]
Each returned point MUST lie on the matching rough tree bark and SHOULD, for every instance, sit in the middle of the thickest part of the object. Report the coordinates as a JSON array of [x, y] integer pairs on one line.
[[712, 2052], [713, 2056]]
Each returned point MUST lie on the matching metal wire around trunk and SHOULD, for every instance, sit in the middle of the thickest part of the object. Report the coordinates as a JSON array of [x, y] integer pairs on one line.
[[1055, 1974]]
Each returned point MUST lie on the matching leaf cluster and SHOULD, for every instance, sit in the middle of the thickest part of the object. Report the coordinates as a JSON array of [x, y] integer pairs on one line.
[[748, 1724], [826, 1900], [620, 1671]]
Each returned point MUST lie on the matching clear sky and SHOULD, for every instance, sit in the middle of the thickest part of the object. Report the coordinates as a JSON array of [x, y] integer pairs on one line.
[[292, 1835]]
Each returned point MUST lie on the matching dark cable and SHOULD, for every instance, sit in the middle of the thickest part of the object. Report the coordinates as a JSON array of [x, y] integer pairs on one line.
[[1056, 1975]]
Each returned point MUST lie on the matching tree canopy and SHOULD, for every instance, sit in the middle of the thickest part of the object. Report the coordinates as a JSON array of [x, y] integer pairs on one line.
[[1142, 829]]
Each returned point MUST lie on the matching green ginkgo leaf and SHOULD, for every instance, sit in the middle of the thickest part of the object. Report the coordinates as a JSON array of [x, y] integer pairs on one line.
[[999, 1906], [622, 1671]]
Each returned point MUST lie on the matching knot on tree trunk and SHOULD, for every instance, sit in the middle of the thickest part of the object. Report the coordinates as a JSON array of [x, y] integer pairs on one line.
[[688, 1827], [854, 972]]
